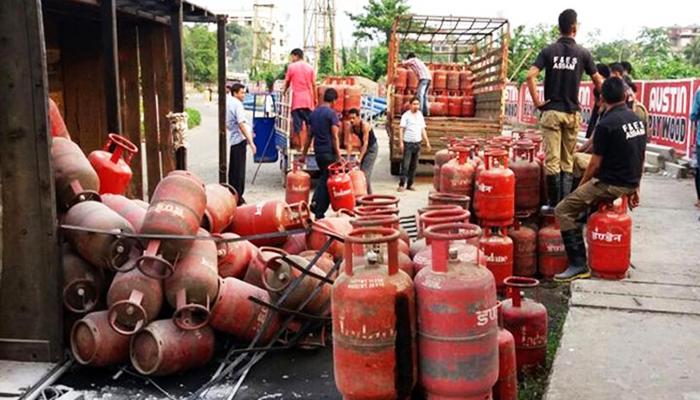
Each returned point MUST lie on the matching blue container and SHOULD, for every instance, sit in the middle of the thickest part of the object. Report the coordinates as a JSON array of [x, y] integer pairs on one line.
[[264, 129]]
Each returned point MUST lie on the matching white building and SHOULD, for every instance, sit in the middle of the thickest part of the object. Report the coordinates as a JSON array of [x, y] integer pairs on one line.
[[681, 36], [273, 21]]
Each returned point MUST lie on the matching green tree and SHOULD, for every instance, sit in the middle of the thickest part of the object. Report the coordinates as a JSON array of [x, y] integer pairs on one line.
[[377, 19], [525, 44], [239, 47], [378, 62], [692, 52], [200, 54], [267, 72], [325, 62]]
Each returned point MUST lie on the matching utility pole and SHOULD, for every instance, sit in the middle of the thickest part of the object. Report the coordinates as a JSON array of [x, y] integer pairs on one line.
[[319, 29]]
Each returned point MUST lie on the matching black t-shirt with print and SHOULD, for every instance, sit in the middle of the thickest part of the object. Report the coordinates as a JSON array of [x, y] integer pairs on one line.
[[564, 63], [621, 140]]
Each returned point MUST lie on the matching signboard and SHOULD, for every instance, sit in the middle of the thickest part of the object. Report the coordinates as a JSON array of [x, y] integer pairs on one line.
[[512, 104], [669, 104], [527, 108], [586, 101]]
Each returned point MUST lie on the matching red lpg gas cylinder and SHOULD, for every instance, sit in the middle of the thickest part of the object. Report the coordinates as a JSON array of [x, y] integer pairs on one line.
[[75, 179], [440, 80], [358, 179], [327, 229], [298, 185], [400, 79], [411, 82], [527, 178], [57, 126], [468, 107], [442, 156], [253, 274], [423, 210], [323, 260], [387, 221], [134, 300], [83, 283], [454, 106], [295, 244], [281, 271], [466, 251], [270, 217], [177, 207], [353, 98], [438, 198], [494, 201], [94, 343], [373, 312], [434, 217], [609, 237], [453, 81], [457, 175], [131, 210], [457, 320], [222, 200], [245, 320], [234, 256], [162, 349], [379, 200], [550, 246], [524, 249], [438, 109], [466, 82], [506, 388], [526, 319], [398, 103], [113, 170], [339, 104], [498, 251], [340, 187]]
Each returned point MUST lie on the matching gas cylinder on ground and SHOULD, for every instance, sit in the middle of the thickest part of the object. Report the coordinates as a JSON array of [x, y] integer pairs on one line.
[[161, 348], [272, 216], [253, 274], [411, 82], [373, 312], [439, 80], [101, 250], [457, 320], [358, 180], [340, 187], [93, 342], [83, 283], [370, 211], [439, 198], [379, 200], [457, 175], [453, 81], [177, 207], [527, 178], [392, 222], [131, 210], [423, 210], [327, 229], [298, 185], [467, 251], [234, 256], [494, 200], [353, 98], [609, 237], [222, 200], [387, 221], [281, 271], [295, 244], [506, 388], [524, 249], [550, 246], [192, 288], [75, 179], [498, 251], [57, 126], [235, 314], [400, 79], [454, 106], [134, 300], [441, 157], [324, 261], [526, 319], [113, 170]]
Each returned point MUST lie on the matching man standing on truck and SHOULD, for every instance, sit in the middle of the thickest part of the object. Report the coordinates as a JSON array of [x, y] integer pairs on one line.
[[411, 133], [324, 127], [302, 79], [615, 171], [239, 137], [424, 79], [564, 63]]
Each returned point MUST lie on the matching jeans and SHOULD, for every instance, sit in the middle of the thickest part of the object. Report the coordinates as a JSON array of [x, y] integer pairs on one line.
[[367, 164], [321, 199], [411, 153], [422, 94], [236, 169]]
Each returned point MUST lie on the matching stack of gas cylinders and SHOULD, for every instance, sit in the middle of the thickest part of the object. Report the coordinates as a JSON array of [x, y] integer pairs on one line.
[[451, 93], [349, 97]]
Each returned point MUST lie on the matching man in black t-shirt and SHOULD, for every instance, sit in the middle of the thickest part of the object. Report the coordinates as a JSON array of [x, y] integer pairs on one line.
[[615, 171], [564, 63]]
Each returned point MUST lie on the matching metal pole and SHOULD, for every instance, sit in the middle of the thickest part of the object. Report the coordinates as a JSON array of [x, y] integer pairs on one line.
[[110, 48], [221, 46], [178, 76]]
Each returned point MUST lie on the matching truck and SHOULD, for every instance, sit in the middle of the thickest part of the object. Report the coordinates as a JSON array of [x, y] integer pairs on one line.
[[476, 48]]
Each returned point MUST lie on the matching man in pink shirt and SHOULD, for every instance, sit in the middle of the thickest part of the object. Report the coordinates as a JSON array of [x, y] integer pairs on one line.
[[302, 78]]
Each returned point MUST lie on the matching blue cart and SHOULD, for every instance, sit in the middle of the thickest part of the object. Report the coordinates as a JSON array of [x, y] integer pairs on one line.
[[263, 107]]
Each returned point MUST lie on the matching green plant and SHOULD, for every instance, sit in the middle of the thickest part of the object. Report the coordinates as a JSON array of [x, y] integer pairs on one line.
[[194, 117], [200, 54], [377, 19]]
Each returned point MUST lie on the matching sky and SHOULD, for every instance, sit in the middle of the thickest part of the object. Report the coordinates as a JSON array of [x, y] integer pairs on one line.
[[614, 19]]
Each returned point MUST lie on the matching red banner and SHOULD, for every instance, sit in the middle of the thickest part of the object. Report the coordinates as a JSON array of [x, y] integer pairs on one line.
[[527, 108], [692, 139], [512, 108], [669, 105], [586, 101]]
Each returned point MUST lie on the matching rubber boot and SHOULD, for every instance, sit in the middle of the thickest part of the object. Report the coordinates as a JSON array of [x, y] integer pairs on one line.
[[553, 189], [567, 180], [576, 252]]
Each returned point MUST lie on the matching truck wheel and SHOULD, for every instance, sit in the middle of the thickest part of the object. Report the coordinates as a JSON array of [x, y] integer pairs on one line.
[[396, 168]]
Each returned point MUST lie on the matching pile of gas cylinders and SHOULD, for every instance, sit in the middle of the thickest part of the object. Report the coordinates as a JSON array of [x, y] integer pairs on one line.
[[451, 92]]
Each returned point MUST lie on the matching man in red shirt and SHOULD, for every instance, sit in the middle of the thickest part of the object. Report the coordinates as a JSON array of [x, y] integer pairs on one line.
[[302, 79]]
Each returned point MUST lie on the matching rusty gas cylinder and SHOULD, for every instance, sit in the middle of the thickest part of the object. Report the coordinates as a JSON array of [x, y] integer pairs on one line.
[[457, 175], [527, 177], [438, 198], [550, 246], [161, 348], [75, 179], [94, 343], [83, 283], [234, 256], [457, 320], [330, 228], [295, 244], [400, 79], [113, 170], [373, 312], [134, 300], [389, 221], [324, 261], [506, 388], [282, 271], [524, 249], [132, 210], [272, 216], [256, 267], [498, 251], [442, 156], [242, 318], [435, 217], [526, 319], [222, 200]]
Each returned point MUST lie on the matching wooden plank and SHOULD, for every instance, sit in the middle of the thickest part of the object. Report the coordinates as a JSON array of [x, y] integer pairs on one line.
[[178, 75], [130, 89], [221, 75], [110, 55], [150, 106], [30, 302], [83, 91], [162, 66]]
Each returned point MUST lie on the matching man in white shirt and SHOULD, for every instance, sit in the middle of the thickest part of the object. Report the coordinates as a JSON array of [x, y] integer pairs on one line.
[[238, 137], [411, 133]]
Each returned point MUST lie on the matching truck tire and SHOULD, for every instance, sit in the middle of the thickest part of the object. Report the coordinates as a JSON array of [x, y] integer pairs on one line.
[[396, 168]]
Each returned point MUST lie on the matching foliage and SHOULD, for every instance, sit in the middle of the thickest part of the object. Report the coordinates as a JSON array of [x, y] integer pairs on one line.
[[194, 118], [692, 52], [377, 18], [325, 62], [239, 47], [200, 54], [524, 46], [267, 72]]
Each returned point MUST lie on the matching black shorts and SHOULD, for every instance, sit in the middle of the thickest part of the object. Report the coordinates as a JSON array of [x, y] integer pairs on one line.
[[298, 116]]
